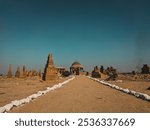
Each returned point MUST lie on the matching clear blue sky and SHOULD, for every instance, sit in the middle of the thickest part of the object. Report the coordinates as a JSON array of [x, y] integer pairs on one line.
[[93, 32]]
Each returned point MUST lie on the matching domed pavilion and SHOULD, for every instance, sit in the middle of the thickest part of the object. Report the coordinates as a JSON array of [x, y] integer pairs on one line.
[[76, 68]]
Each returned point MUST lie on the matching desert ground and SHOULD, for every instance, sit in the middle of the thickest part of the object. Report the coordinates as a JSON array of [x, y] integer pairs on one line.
[[79, 95], [18, 88]]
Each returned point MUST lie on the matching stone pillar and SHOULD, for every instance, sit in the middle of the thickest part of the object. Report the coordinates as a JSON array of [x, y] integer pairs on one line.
[[17, 74], [24, 72], [9, 74]]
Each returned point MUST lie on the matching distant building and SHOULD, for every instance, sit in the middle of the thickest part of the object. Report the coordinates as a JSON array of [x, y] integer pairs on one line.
[[77, 69], [50, 72], [60, 70], [145, 69]]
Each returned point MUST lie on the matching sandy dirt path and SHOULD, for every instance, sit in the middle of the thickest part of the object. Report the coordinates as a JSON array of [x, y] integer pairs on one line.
[[85, 95]]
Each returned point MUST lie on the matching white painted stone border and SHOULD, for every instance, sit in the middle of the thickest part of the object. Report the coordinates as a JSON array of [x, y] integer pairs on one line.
[[131, 92], [28, 99]]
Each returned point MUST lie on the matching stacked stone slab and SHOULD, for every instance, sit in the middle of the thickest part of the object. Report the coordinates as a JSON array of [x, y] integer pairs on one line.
[[112, 73], [50, 72], [96, 73]]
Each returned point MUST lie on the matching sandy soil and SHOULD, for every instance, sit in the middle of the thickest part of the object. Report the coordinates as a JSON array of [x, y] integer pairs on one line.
[[85, 95], [14, 88], [139, 86]]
